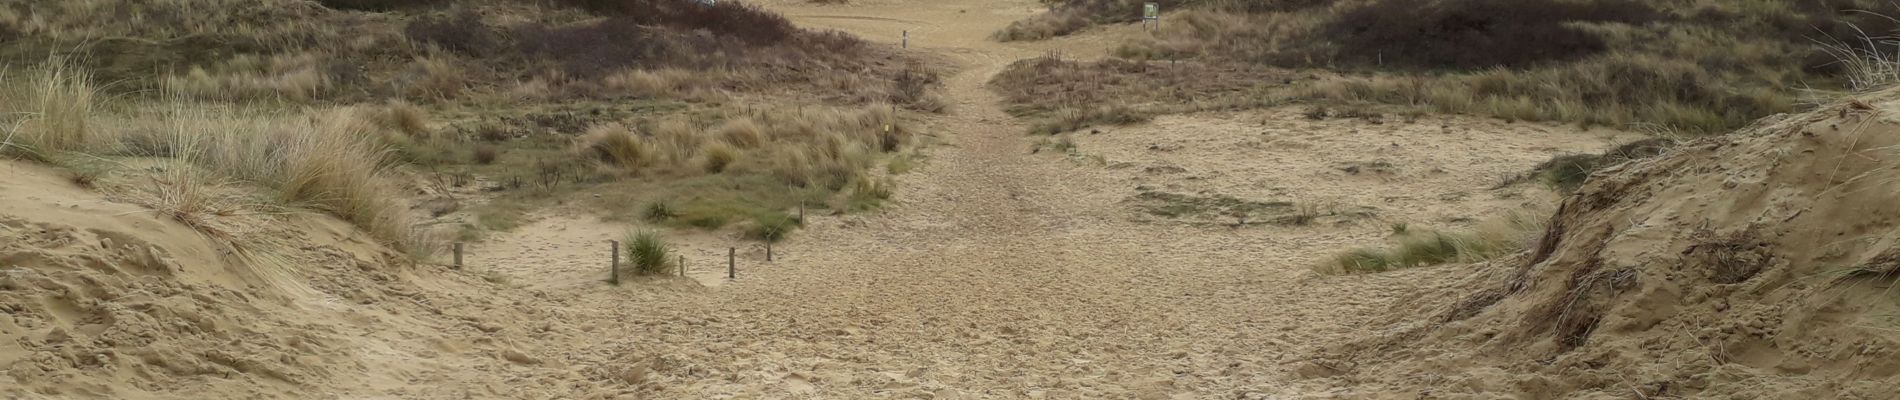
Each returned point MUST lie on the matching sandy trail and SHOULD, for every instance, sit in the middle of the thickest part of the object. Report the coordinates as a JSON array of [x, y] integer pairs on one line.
[[1002, 274]]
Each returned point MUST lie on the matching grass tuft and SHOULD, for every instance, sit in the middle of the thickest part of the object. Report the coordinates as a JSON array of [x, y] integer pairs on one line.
[[59, 103], [660, 211], [647, 251], [617, 145]]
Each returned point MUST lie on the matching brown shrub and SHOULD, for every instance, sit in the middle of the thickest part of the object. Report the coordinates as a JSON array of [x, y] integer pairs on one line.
[[461, 31], [378, 5], [739, 20], [1475, 33], [601, 47], [486, 154]]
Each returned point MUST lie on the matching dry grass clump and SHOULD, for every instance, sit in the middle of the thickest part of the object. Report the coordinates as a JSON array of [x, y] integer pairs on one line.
[[802, 147], [291, 77], [333, 160], [718, 155], [616, 145], [52, 111], [742, 132], [674, 83]]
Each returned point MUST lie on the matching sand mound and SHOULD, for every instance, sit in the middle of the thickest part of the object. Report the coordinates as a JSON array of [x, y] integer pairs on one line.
[[1759, 264], [101, 298]]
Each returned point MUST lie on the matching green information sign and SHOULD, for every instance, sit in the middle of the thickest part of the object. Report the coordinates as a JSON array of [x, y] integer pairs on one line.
[[1151, 11]]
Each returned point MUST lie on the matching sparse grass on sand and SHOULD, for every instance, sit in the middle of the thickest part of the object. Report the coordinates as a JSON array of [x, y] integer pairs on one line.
[[1413, 248]]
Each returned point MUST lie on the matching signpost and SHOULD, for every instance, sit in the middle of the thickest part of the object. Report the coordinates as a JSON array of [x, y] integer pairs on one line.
[[1151, 14]]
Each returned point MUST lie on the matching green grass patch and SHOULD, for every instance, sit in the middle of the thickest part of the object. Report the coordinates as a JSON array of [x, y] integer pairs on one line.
[[647, 252], [1420, 248], [772, 227]]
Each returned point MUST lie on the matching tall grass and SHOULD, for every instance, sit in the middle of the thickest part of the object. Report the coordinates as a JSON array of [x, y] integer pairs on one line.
[[333, 160], [336, 161], [1868, 61], [51, 112]]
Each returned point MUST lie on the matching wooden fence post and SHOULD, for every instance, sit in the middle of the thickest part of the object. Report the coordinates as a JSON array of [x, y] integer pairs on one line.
[[768, 251], [613, 276], [732, 263], [458, 255], [682, 265]]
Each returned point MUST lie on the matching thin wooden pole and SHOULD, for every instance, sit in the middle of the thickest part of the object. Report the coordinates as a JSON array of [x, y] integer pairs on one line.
[[682, 265], [458, 255], [732, 263], [613, 274], [768, 251]]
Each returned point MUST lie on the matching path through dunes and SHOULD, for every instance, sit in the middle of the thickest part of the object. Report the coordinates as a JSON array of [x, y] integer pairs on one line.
[[998, 273]]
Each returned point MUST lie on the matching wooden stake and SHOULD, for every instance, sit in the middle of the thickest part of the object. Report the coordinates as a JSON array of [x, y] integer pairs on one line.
[[458, 255], [682, 265], [613, 274], [768, 251], [732, 263]]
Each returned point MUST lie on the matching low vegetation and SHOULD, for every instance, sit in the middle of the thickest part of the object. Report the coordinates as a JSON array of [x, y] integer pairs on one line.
[[1062, 95], [1691, 66], [1067, 17], [1218, 209], [331, 159], [1411, 248], [517, 103]]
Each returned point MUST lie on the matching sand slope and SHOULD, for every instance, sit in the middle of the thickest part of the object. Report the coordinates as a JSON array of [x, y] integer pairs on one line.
[[1756, 265], [102, 298]]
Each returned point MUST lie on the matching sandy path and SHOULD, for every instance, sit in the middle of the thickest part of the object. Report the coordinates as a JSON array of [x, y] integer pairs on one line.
[[998, 273]]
